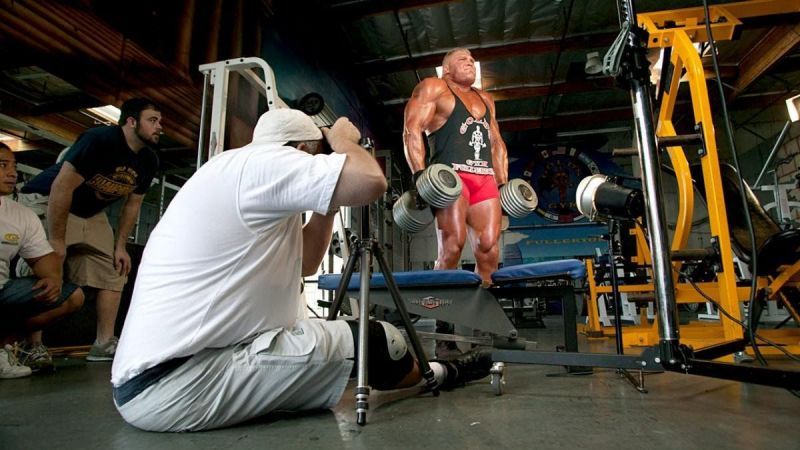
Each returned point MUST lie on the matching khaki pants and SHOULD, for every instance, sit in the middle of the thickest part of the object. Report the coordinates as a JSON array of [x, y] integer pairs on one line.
[[302, 368], [90, 253], [90, 248]]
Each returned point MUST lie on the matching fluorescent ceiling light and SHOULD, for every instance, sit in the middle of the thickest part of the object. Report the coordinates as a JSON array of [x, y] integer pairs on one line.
[[107, 114], [793, 105], [13, 142], [477, 84], [6, 137]]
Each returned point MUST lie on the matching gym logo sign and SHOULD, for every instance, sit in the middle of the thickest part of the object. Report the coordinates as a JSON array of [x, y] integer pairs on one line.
[[431, 302]]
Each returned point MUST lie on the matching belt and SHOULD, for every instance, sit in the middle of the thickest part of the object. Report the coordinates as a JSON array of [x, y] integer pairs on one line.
[[128, 390]]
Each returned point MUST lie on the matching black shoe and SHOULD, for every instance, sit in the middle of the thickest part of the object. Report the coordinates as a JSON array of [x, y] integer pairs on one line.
[[473, 365], [447, 350]]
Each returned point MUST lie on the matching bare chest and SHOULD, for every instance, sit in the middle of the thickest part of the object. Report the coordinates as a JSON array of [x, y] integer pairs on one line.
[[446, 104]]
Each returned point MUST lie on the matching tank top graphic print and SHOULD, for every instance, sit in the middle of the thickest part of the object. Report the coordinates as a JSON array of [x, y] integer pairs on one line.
[[463, 141]]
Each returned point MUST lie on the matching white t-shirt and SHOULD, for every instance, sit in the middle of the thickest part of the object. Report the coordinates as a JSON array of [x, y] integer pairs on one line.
[[224, 262], [21, 233]]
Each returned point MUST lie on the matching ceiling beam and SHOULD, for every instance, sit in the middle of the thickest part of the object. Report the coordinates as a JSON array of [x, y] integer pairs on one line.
[[51, 126], [562, 87], [769, 50], [354, 10], [54, 127], [526, 92], [567, 120], [85, 51], [25, 145], [578, 119], [488, 53], [66, 103]]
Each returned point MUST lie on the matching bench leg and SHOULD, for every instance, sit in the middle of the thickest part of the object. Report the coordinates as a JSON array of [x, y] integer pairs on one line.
[[570, 311]]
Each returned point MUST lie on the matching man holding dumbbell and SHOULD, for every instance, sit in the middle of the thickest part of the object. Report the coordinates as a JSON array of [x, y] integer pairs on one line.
[[463, 134]]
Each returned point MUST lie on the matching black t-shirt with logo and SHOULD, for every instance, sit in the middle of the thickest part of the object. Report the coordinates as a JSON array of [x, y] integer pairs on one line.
[[463, 141], [111, 170]]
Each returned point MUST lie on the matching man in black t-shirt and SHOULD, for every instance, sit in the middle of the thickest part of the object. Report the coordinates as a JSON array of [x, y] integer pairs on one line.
[[104, 165]]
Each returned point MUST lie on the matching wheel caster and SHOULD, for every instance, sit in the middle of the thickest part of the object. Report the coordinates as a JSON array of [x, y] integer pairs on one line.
[[498, 378]]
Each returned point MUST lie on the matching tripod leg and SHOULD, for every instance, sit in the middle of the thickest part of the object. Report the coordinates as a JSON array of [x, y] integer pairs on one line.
[[362, 388], [424, 366], [341, 290], [638, 384]]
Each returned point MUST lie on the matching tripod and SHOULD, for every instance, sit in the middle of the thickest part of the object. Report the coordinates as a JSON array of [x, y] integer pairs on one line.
[[365, 247]]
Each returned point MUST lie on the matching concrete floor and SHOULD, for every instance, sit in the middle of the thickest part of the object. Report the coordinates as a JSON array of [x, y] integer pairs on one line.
[[72, 409]]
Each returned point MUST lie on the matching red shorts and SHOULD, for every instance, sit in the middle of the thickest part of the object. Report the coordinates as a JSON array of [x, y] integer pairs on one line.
[[478, 188]]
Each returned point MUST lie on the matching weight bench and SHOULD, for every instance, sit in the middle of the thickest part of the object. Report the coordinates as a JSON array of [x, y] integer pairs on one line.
[[456, 296], [549, 279]]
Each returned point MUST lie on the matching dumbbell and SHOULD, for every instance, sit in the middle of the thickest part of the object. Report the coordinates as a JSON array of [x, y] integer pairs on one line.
[[408, 215], [518, 198], [438, 185]]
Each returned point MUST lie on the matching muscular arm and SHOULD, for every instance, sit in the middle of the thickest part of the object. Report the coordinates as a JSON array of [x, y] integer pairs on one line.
[[316, 239], [418, 116], [67, 180], [47, 269], [499, 152], [127, 218], [361, 180]]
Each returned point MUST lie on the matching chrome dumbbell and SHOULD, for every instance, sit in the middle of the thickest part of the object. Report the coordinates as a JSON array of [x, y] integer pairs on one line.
[[408, 215], [518, 198], [439, 185]]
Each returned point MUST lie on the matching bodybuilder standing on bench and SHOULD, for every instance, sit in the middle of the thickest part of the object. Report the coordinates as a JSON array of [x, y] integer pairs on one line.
[[459, 121]]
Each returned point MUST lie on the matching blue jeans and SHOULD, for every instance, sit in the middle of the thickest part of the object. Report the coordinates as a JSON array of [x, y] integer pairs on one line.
[[17, 301]]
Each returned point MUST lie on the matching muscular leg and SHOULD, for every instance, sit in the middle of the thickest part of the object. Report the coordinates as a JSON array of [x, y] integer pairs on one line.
[[47, 318], [451, 231], [483, 220], [107, 307]]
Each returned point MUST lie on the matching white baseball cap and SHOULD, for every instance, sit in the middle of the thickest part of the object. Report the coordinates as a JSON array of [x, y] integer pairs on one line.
[[284, 125]]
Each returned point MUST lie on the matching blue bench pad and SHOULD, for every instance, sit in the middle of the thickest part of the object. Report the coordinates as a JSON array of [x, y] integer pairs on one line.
[[566, 268], [572, 268], [417, 278]]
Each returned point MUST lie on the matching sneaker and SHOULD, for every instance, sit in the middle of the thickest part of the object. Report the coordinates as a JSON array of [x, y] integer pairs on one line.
[[104, 351], [470, 366], [36, 357], [10, 366]]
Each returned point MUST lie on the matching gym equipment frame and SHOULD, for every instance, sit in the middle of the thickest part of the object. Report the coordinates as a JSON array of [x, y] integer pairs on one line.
[[626, 60], [684, 57]]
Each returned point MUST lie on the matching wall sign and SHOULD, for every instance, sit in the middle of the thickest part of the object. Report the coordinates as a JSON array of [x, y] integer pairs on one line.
[[554, 175]]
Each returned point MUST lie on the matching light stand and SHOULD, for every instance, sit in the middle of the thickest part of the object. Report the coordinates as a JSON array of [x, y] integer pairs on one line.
[[365, 247]]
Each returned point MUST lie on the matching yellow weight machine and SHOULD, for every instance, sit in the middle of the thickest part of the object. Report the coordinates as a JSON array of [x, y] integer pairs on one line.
[[679, 30]]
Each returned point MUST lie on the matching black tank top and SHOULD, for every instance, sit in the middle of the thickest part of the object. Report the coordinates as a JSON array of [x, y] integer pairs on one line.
[[463, 141]]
